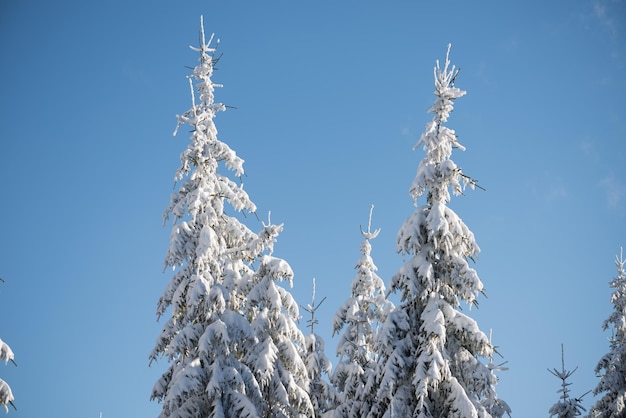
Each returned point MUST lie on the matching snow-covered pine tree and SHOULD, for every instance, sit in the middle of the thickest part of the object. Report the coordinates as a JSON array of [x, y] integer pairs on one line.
[[359, 318], [566, 407], [208, 340], [430, 363], [6, 355], [322, 393], [611, 368]]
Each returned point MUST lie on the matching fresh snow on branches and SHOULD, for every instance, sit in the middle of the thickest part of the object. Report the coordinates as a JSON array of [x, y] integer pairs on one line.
[[611, 368], [231, 337], [359, 317], [6, 355], [278, 365], [430, 353], [322, 393], [231, 340], [6, 396], [566, 407]]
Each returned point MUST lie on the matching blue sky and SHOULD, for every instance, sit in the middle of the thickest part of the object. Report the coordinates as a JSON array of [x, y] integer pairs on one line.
[[330, 98]]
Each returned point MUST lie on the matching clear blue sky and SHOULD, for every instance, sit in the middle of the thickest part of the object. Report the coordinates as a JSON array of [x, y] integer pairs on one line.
[[330, 97]]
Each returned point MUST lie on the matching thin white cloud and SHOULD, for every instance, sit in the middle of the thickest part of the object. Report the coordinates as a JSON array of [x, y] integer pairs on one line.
[[588, 148], [556, 190], [549, 188], [608, 17], [615, 190], [603, 16]]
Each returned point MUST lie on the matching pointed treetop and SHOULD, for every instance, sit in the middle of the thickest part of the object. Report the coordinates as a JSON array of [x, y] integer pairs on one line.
[[444, 88], [563, 375], [205, 47], [202, 73], [369, 234], [619, 262], [437, 172], [311, 308], [566, 407]]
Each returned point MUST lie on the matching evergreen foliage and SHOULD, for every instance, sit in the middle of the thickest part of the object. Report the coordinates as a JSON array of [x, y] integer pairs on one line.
[[430, 351], [6, 355], [566, 407], [359, 318], [278, 365], [611, 368], [6, 395], [322, 393], [231, 341]]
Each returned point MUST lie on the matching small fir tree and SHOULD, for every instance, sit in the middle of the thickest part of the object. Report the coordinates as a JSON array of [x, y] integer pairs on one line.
[[209, 341], [359, 318], [566, 407], [323, 395], [431, 352], [611, 368], [6, 355]]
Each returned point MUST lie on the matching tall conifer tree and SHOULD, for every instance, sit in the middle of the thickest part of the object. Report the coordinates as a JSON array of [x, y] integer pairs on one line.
[[431, 352], [212, 337], [611, 368]]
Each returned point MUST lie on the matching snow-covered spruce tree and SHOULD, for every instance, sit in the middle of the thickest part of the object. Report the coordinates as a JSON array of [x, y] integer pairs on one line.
[[430, 363], [6, 355], [566, 407], [322, 393], [611, 368], [359, 318], [208, 340], [278, 366]]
